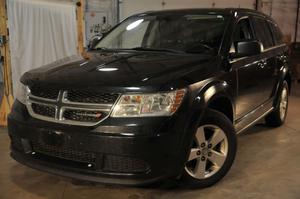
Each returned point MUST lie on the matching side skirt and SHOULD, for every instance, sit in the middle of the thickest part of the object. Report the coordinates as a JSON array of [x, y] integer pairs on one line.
[[253, 117]]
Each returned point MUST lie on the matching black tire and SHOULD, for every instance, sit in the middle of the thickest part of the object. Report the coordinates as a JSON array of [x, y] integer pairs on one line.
[[274, 119], [218, 119]]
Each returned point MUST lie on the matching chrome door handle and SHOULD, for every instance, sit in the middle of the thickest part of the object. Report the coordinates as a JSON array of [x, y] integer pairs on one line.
[[282, 58], [262, 63]]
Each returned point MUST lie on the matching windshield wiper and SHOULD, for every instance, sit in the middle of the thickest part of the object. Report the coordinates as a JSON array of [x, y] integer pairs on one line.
[[141, 49], [157, 49]]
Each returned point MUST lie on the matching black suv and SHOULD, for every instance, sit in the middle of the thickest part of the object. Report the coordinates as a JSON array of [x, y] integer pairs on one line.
[[162, 95]]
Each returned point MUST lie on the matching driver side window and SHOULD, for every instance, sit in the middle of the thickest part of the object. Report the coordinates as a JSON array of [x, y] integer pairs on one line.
[[243, 32]]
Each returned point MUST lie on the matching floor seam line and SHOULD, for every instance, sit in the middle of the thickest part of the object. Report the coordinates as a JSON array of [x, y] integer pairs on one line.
[[63, 194], [292, 128]]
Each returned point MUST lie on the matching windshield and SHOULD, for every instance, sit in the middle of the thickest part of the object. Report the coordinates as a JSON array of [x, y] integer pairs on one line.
[[196, 33]]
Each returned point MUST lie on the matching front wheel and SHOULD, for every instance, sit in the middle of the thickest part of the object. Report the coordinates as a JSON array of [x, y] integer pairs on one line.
[[212, 151]]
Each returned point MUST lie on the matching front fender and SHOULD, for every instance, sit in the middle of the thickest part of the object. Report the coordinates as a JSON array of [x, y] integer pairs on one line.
[[201, 95], [210, 91]]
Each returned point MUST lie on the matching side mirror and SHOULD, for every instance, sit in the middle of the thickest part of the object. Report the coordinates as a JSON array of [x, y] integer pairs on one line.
[[246, 48], [94, 41]]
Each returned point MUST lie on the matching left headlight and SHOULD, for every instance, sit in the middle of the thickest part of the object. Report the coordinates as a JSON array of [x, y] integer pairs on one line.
[[147, 105], [22, 93]]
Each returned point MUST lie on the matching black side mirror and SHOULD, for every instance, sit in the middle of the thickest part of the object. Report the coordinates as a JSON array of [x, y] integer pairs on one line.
[[246, 48], [94, 41]]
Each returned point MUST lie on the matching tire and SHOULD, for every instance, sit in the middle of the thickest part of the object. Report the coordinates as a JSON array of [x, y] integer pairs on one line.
[[277, 117], [215, 126]]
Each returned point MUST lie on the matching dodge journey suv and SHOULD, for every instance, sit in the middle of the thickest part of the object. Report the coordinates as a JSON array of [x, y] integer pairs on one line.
[[162, 95]]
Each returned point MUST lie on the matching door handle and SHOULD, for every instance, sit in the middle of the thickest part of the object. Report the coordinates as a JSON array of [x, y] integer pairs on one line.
[[262, 63], [282, 58]]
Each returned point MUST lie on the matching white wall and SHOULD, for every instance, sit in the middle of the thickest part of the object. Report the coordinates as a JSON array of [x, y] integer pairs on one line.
[[129, 7], [283, 11]]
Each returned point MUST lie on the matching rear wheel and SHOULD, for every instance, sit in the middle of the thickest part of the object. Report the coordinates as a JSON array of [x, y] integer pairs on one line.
[[277, 116], [212, 151]]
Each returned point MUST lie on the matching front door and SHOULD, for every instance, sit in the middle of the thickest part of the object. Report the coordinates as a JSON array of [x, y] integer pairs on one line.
[[249, 73]]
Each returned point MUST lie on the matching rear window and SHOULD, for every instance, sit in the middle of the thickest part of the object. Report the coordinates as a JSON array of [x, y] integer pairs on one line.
[[263, 32]]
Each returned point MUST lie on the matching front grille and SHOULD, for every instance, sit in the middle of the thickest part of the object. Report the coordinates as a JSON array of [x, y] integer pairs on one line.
[[78, 107], [48, 93], [93, 97], [64, 153], [44, 110], [113, 163], [83, 115]]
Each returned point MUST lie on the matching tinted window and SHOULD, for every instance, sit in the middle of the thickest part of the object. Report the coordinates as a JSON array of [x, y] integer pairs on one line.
[[277, 35], [243, 31], [263, 32]]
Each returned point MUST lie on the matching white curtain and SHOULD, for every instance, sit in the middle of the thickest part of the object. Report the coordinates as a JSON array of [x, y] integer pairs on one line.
[[41, 32]]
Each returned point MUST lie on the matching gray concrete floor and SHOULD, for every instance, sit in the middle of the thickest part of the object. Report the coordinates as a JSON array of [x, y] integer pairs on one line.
[[267, 166]]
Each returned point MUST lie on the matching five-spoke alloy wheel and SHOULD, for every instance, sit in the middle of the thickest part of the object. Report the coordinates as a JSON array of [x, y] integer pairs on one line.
[[212, 151], [208, 153]]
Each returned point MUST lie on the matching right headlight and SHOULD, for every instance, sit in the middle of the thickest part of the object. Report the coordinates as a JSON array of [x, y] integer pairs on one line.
[[22, 93], [147, 105]]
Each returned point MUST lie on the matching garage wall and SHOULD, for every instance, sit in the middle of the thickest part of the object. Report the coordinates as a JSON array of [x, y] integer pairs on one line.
[[283, 11], [129, 7], [95, 11]]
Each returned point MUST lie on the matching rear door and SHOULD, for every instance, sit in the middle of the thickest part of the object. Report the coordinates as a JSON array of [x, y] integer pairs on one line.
[[268, 59], [280, 48]]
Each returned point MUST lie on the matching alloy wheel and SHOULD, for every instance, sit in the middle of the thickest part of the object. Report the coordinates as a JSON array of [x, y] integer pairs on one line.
[[283, 103], [208, 153]]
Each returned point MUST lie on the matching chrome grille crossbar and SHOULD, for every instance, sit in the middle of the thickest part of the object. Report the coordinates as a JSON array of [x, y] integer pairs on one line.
[[68, 112]]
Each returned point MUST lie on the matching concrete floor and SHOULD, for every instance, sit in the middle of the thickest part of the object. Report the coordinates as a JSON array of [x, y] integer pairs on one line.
[[267, 166]]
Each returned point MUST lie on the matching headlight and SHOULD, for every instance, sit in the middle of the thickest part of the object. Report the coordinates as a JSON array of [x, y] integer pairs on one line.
[[22, 93], [143, 105]]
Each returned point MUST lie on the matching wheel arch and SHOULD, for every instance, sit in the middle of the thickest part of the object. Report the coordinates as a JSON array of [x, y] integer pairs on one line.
[[288, 79], [285, 75], [219, 96], [222, 104]]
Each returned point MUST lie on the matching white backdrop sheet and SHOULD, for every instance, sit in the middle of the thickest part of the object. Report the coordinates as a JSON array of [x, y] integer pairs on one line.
[[41, 32]]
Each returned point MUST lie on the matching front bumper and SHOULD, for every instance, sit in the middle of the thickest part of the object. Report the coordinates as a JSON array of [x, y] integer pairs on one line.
[[151, 153]]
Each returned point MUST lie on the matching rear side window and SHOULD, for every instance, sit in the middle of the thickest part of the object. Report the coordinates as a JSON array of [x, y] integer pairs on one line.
[[263, 32], [277, 34]]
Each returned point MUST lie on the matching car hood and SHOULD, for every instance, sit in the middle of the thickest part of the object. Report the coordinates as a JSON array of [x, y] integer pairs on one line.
[[124, 69]]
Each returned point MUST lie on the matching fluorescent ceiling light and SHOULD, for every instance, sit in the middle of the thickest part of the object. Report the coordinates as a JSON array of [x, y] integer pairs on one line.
[[107, 69], [135, 24]]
